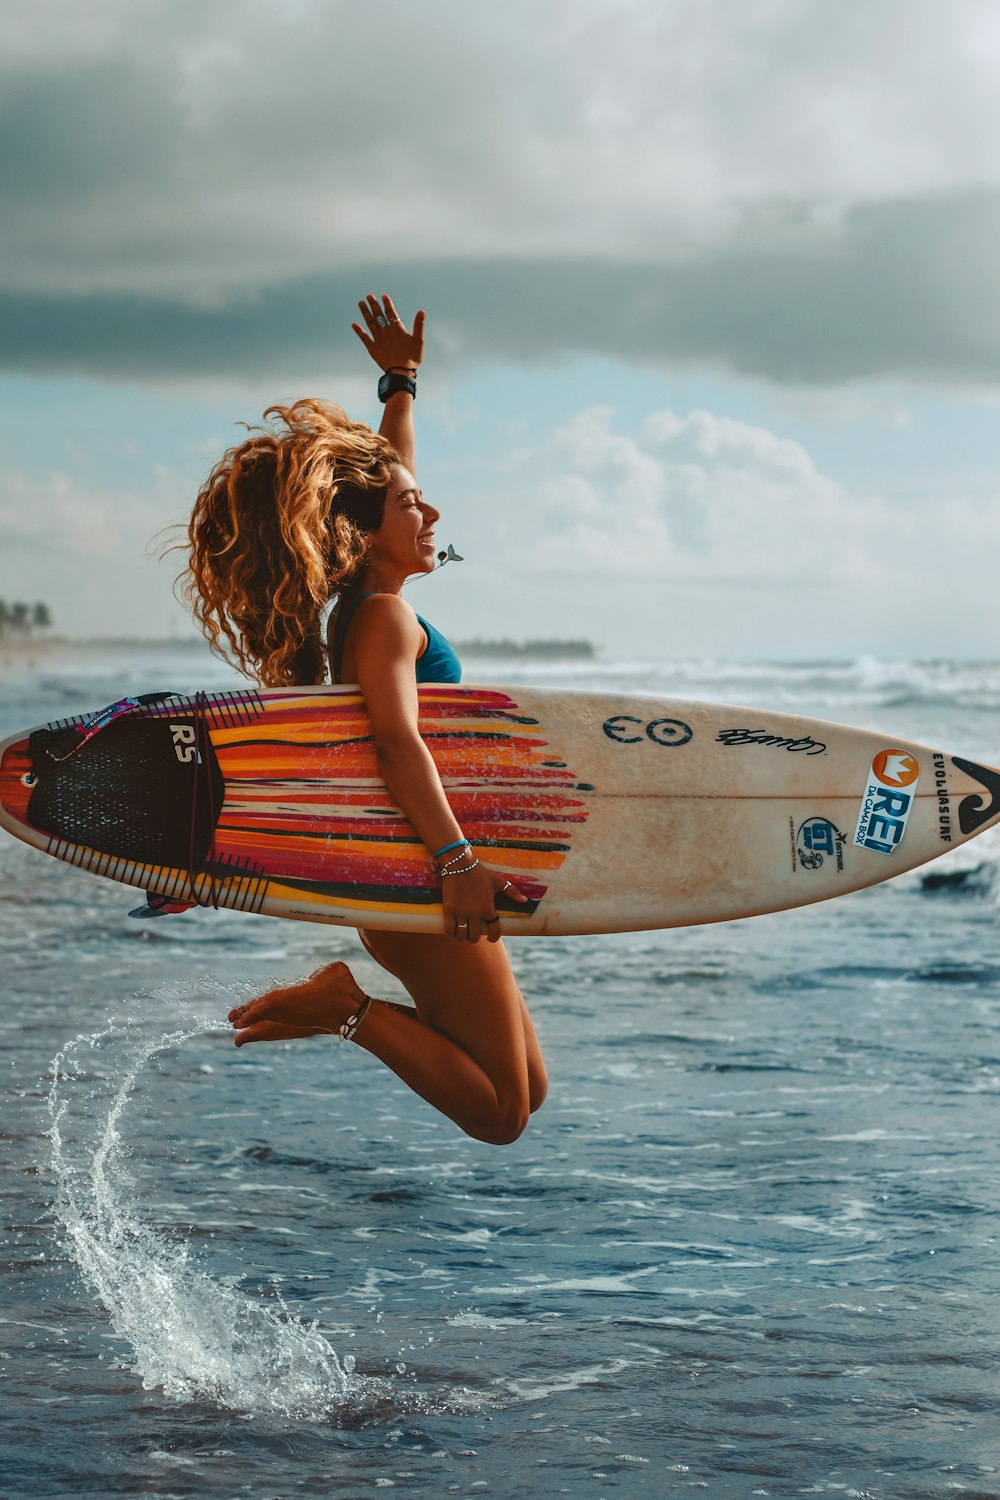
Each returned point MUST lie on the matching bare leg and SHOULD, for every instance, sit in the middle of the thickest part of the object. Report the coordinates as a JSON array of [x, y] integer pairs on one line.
[[465, 1047], [392, 951]]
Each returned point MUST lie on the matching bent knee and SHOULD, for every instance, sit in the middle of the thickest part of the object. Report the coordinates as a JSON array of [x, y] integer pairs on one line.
[[511, 1122]]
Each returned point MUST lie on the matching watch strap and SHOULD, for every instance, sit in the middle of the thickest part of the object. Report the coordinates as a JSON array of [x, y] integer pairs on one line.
[[392, 381]]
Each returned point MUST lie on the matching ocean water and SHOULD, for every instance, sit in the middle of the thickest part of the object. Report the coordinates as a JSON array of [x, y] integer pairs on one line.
[[749, 1247]]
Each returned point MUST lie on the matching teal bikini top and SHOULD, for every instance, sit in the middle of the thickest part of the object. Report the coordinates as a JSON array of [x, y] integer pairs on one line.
[[438, 662]]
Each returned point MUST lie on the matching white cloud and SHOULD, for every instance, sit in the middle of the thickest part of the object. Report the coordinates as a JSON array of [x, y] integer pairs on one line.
[[53, 513], [707, 497], [92, 551], [706, 502]]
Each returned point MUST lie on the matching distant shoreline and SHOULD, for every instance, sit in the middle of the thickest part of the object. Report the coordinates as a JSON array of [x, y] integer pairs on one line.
[[553, 650], [18, 647], [23, 652], [22, 645]]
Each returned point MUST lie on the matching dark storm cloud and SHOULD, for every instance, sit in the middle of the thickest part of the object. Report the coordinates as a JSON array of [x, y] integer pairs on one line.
[[63, 137], [771, 187], [907, 289]]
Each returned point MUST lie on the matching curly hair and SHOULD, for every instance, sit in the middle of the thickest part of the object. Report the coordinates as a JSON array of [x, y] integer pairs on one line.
[[278, 529]]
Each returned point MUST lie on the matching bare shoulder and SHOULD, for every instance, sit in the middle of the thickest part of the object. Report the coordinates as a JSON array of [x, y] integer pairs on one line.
[[387, 611], [388, 619]]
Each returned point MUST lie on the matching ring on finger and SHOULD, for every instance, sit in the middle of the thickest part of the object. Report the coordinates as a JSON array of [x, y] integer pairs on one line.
[[381, 321], [490, 920]]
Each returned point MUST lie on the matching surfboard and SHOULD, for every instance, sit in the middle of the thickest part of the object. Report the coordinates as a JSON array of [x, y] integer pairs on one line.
[[611, 813]]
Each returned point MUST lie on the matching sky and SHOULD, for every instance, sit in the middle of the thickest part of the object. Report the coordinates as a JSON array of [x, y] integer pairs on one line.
[[712, 293]]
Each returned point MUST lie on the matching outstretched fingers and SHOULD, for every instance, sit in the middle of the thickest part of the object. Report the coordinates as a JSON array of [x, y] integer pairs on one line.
[[386, 336]]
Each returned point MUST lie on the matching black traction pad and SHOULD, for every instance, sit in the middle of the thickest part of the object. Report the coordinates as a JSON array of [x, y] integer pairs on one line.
[[128, 791]]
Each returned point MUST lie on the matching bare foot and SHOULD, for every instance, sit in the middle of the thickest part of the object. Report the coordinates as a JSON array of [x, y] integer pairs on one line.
[[319, 1005]]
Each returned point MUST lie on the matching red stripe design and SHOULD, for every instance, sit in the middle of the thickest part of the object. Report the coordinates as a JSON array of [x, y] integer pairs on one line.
[[304, 799]]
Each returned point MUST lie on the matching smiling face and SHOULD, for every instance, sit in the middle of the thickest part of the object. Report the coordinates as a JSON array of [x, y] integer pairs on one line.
[[404, 542]]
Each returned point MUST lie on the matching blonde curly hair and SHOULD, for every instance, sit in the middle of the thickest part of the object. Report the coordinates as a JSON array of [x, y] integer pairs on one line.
[[280, 527]]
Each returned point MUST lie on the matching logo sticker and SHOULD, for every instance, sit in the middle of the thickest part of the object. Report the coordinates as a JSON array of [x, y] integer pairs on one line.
[[976, 810], [185, 746], [895, 768], [621, 727], [887, 801], [943, 800], [816, 841]]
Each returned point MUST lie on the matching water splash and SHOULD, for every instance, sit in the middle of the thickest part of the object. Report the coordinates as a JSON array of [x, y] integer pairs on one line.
[[190, 1335]]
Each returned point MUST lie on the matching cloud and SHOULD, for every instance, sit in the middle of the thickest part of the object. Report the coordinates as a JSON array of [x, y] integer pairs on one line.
[[899, 290], [705, 502], [798, 192], [55, 513]]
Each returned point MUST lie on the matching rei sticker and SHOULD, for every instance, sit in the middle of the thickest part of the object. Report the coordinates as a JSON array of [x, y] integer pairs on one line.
[[887, 800]]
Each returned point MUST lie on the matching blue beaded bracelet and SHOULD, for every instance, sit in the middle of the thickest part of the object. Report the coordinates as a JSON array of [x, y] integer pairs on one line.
[[458, 844]]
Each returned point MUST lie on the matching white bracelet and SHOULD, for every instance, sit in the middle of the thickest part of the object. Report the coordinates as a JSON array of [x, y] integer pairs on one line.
[[456, 860]]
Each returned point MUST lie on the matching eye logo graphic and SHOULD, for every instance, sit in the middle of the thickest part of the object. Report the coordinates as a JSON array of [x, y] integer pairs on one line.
[[895, 768]]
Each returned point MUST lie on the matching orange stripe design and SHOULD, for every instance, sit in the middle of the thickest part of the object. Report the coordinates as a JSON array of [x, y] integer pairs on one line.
[[306, 819], [305, 804]]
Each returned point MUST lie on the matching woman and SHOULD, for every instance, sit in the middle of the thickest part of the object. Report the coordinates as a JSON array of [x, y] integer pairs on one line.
[[287, 521]]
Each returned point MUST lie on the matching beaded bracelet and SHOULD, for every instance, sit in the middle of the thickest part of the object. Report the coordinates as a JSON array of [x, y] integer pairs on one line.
[[445, 873], [458, 844], [451, 863]]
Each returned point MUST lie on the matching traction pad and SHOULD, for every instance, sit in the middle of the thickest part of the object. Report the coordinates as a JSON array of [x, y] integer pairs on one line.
[[127, 792]]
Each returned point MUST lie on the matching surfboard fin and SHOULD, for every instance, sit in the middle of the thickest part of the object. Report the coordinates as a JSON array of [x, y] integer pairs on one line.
[[161, 906]]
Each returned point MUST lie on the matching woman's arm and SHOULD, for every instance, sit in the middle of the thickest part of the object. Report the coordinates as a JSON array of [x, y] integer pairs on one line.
[[386, 643], [393, 347]]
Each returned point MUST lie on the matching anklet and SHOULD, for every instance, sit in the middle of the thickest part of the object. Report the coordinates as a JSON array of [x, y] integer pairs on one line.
[[350, 1026]]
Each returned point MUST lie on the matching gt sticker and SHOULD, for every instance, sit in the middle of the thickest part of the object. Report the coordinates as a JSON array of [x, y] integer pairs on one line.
[[818, 840], [887, 801]]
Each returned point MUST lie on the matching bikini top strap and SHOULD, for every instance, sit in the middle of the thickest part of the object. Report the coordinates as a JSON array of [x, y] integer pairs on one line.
[[340, 632]]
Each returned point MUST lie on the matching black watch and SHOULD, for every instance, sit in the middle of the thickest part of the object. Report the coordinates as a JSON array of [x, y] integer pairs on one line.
[[391, 382]]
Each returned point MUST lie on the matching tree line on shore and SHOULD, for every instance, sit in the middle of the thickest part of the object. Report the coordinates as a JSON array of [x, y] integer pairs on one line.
[[24, 619]]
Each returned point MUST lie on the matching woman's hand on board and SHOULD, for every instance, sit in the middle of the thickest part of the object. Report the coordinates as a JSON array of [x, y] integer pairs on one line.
[[469, 901], [389, 342]]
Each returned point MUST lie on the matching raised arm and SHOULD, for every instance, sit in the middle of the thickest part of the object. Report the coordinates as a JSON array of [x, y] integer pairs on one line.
[[395, 349]]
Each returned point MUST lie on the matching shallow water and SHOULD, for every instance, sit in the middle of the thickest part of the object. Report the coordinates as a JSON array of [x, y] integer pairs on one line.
[[748, 1247]]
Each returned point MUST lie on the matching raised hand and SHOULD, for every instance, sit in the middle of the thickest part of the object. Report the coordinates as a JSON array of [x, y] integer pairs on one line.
[[391, 345]]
